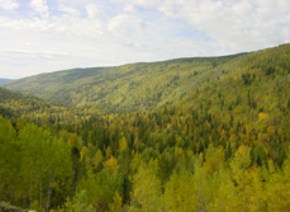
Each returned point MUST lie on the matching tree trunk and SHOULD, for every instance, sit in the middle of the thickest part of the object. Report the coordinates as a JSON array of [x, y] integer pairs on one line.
[[49, 192]]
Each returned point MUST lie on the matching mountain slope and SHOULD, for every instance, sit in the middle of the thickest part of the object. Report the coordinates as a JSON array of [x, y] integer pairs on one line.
[[141, 86], [125, 88], [14, 103], [228, 133]]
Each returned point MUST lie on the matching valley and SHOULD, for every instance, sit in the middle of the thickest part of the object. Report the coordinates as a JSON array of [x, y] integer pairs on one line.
[[190, 134]]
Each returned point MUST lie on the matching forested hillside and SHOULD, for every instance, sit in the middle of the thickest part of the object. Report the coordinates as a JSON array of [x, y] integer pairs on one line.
[[142, 86], [127, 88], [219, 140], [23, 108], [13, 103]]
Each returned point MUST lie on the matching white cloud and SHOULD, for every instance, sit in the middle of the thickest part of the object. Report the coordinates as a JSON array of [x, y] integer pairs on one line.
[[69, 11], [235, 25], [74, 33], [125, 24], [37, 54], [94, 10], [59, 26], [40, 6], [9, 5]]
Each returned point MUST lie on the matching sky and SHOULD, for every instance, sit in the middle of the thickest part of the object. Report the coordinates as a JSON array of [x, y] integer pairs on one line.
[[39, 36]]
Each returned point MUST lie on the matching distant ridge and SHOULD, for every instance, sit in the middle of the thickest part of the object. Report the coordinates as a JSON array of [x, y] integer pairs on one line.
[[4, 80], [146, 86]]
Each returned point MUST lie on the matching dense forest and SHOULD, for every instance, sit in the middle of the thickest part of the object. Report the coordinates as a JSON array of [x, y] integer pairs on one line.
[[203, 134]]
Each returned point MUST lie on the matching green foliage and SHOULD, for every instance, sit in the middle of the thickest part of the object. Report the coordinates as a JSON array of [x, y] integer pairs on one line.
[[180, 193], [11, 103], [203, 134], [9, 156], [260, 155], [132, 87], [101, 188], [146, 188], [80, 202], [36, 167]]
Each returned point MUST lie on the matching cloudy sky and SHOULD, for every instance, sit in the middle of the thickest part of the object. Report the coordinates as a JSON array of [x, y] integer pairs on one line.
[[47, 35]]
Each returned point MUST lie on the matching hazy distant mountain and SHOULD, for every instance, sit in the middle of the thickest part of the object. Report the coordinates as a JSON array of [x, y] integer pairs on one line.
[[3, 80]]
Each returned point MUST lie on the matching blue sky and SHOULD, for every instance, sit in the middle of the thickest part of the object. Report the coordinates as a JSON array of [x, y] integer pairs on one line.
[[48, 35]]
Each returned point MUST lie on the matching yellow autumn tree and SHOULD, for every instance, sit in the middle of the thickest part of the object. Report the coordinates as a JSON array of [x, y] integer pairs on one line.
[[146, 189], [111, 165]]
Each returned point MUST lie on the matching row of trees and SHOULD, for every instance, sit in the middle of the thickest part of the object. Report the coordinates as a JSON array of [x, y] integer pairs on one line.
[[41, 170]]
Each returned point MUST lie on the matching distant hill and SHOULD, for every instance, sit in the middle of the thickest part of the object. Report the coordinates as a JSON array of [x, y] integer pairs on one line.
[[14, 103], [3, 81], [144, 86]]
